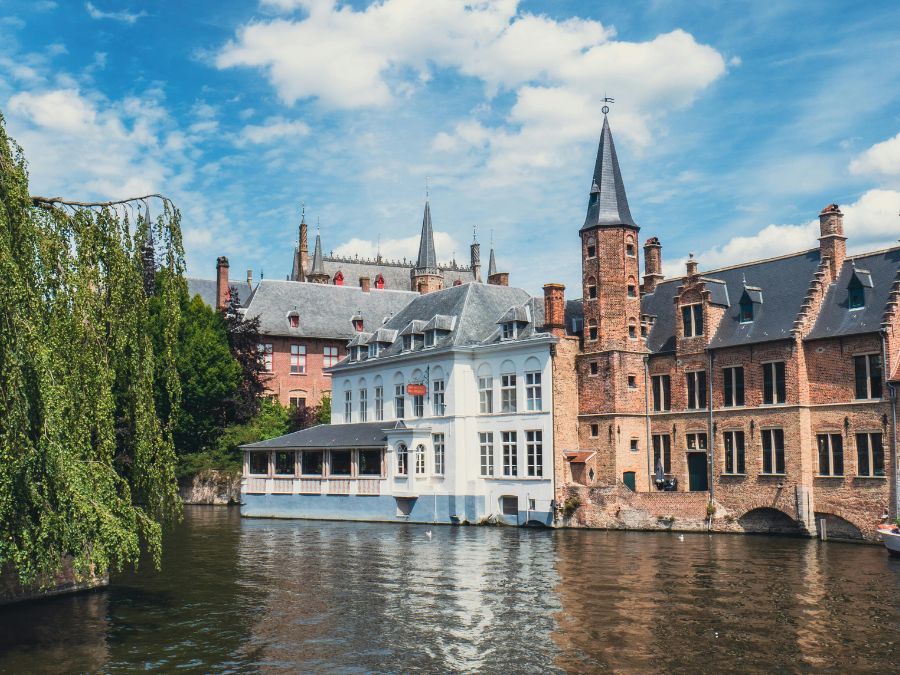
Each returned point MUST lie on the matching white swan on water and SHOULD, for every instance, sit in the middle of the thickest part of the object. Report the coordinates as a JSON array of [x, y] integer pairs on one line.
[[428, 534]]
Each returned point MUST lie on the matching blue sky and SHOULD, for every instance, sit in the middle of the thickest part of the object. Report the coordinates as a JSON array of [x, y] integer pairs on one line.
[[735, 122]]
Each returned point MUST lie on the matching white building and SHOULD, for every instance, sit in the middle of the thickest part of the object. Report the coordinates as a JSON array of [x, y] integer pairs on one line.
[[443, 414]]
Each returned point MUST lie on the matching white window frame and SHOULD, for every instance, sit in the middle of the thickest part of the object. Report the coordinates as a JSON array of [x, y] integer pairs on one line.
[[868, 361], [534, 452], [438, 399], [486, 394], [871, 453], [509, 330], [402, 459], [486, 448], [265, 352], [399, 402], [695, 327], [730, 372], [773, 366], [533, 391], [298, 359], [379, 403], [437, 444], [421, 463], [418, 405], [829, 437], [508, 385], [363, 405], [693, 441], [348, 406], [510, 445], [330, 356]]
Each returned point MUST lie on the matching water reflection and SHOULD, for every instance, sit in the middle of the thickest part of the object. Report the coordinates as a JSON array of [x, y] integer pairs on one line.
[[285, 596]]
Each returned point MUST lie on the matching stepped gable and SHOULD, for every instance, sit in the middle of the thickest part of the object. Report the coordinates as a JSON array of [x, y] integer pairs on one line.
[[324, 310], [783, 282], [878, 271]]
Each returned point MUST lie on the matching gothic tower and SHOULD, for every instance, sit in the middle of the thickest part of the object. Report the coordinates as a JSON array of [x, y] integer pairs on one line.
[[317, 273], [426, 277]]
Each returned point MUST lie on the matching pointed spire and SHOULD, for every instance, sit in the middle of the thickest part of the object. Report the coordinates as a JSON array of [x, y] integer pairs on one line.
[[608, 205], [318, 265], [492, 264], [427, 258]]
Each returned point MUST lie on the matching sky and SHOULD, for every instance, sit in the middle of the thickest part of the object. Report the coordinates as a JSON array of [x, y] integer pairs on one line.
[[735, 123]]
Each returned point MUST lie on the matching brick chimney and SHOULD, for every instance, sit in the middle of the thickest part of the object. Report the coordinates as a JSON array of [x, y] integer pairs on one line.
[[222, 290], [499, 279], [555, 309], [365, 283], [652, 264], [832, 242], [691, 265]]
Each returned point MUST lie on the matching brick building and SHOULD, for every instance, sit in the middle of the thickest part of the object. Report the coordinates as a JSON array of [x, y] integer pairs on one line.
[[769, 386]]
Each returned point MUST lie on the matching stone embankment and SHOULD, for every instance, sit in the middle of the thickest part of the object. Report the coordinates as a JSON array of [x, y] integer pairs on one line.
[[212, 487], [65, 581]]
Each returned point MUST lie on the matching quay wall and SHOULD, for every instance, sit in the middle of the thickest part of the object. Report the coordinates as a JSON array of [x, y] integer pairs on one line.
[[64, 581], [211, 487]]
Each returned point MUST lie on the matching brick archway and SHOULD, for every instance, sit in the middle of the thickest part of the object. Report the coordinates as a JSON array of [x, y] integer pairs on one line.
[[841, 525], [768, 519]]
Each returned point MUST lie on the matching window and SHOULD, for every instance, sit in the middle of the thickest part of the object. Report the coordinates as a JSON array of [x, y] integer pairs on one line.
[[831, 454], [369, 463], [259, 463], [592, 330], [418, 406], [773, 383], [632, 291], [429, 339], [438, 404], [373, 350], [265, 356], [595, 430], [734, 452], [398, 401], [486, 394], [856, 297], [533, 390], [348, 407], [507, 393], [692, 320], [437, 441], [363, 405], [379, 404], [534, 451], [662, 452], [284, 463], [509, 330], [632, 330], [331, 356], [632, 382], [734, 386], [594, 367], [773, 451], [696, 441], [662, 392], [746, 314], [629, 249], [312, 463], [591, 288], [297, 402], [510, 453], [407, 343], [634, 445], [486, 445], [402, 460], [591, 249], [420, 460], [294, 320], [868, 375], [509, 505], [696, 390], [869, 454], [341, 463]]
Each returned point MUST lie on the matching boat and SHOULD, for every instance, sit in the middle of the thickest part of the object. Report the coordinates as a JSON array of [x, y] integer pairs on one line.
[[890, 535]]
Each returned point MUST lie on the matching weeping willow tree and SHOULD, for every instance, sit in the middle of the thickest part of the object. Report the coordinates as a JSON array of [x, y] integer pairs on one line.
[[86, 457]]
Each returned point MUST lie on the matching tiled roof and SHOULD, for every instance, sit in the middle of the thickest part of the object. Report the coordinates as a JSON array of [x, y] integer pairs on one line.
[[607, 205], [325, 310], [361, 435]]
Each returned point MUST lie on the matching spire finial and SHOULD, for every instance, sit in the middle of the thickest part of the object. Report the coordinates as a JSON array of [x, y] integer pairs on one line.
[[318, 227], [474, 233], [426, 187], [606, 99], [302, 210]]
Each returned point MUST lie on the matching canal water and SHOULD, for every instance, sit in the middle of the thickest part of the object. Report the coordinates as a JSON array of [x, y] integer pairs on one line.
[[298, 596]]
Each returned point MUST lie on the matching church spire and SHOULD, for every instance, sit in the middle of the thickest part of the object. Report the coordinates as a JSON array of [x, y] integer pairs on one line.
[[317, 273], [607, 205], [492, 264], [427, 259]]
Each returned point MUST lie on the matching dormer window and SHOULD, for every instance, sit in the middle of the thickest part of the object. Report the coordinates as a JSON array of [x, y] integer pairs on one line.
[[339, 279], [294, 320], [357, 324], [508, 330], [856, 296], [373, 350], [407, 343], [746, 310], [379, 281], [692, 320], [429, 338]]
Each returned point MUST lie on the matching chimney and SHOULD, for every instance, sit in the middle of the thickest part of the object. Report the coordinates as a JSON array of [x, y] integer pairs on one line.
[[499, 279], [691, 265], [365, 284], [250, 278], [832, 242], [555, 309], [652, 264], [222, 290]]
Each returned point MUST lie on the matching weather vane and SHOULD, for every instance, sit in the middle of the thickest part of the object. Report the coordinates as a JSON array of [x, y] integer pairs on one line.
[[606, 99]]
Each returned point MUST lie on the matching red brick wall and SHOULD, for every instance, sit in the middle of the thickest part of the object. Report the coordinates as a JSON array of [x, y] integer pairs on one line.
[[282, 384]]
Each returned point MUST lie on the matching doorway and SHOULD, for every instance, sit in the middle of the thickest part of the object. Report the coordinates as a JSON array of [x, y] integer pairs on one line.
[[698, 478], [628, 479]]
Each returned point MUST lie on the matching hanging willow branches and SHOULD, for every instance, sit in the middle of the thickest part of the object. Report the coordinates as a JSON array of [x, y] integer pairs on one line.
[[86, 454]]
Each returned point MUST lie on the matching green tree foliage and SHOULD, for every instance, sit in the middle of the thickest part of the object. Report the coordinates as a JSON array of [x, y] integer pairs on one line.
[[243, 340], [309, 416], [86, 452]]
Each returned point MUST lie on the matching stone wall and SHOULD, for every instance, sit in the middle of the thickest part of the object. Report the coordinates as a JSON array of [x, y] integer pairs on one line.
[[64, 581], [211, 487]]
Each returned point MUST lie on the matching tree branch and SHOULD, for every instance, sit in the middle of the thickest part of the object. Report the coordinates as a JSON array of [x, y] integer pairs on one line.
[[50, 202]]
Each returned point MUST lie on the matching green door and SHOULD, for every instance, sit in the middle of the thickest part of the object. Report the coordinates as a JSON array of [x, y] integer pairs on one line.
[[697, 474], [628, 479]]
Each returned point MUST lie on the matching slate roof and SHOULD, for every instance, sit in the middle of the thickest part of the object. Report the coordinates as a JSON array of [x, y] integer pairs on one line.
[[607, 204], [784, 282], [325, 310], [492, 264], [476, 308], [395, 276], [360, 435], [206, 289], [883, 269], [427, 259], [317, 267]]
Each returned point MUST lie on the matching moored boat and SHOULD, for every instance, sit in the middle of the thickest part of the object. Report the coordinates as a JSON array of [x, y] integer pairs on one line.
[[890, 535]]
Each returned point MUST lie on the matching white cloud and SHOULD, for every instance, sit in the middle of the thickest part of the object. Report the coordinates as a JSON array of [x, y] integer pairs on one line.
[[871, 222], [274, 129], [122, 16], [397, 249], [881, 158]]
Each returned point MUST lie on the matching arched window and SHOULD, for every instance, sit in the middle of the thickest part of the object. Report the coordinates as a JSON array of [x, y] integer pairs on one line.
[[363, 400], [629, 246], [420, 460], [348, 402], [418, 400], [591, 288], [379, 281], [632, 288], [592, 329], [632, 329], [339, 278], [379, 398], [590, 248], [402, 460]]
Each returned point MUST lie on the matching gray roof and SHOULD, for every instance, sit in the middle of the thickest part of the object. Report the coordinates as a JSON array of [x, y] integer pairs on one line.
[[382, 335], [476, 308], [396, 275], [492, 264], [317, 267], [518, 314], [427, 259], [206, 289], [607, 205], [325, 310], [784, 282], [361, 435], [441, 322], [877, 272]]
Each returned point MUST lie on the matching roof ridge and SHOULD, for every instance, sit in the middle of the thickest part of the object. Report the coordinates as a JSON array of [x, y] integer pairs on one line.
[[744, 264]]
